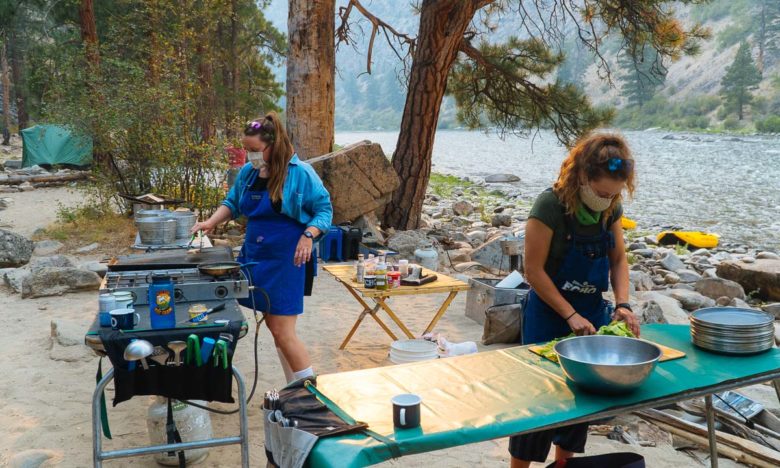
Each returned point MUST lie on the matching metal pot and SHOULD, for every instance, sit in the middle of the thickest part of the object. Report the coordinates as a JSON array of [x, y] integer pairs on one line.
[[151, 213], [184, 222], [156, 230]]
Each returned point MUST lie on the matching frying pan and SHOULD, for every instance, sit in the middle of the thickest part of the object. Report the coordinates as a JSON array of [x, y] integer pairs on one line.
[[218, 269]]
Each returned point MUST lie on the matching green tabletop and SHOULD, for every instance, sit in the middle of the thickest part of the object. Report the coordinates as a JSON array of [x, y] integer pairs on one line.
[[495, 394]]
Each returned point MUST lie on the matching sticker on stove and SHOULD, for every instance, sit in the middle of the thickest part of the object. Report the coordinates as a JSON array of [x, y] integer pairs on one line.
[[162, 302]]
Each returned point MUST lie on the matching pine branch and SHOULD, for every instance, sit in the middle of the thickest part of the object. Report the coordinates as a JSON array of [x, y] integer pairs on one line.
[[344, 34]]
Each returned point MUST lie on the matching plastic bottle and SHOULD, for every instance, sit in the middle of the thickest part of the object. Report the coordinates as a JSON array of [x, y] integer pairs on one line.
[[193, 424], [381, 275], [360, 269]]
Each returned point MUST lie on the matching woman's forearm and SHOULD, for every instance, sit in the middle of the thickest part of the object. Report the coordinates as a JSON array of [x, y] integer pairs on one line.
[[619, 278], [222, 214], [548, 292]]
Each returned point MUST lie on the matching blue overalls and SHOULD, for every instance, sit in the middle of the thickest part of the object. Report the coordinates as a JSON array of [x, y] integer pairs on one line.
[[271, 240], [581, 279]]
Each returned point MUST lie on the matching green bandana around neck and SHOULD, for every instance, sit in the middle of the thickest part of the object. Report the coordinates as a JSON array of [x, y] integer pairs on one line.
[[587, 217]]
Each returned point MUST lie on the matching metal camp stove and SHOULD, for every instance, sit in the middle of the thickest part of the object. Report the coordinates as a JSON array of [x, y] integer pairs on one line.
[[190, 285]]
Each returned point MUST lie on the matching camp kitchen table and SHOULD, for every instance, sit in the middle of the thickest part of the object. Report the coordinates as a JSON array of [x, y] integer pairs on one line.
[[344, 274], [495, 394], [232, 312]]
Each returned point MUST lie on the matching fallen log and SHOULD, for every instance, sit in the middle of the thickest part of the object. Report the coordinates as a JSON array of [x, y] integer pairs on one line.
[[730, 446], [45, 179]]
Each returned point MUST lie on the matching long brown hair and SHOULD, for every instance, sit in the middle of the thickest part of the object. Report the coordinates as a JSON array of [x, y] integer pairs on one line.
[[271, 131], [591, 157]]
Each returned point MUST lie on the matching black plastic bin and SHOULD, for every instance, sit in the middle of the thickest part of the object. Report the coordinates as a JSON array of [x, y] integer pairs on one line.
[[350, 241]]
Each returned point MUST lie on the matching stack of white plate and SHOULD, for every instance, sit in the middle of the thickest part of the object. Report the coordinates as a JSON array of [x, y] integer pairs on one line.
[[732, 330], [404, 351]]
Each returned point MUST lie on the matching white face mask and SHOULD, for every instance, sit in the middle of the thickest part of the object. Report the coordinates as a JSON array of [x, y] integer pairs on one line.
[[592, 200], [256, 158]]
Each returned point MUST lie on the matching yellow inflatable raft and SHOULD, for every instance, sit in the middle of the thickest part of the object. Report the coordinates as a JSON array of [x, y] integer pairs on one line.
[[628, 223], [699, 240]]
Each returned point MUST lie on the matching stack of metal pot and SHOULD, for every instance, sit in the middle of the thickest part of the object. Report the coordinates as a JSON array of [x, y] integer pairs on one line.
[[161, 227]]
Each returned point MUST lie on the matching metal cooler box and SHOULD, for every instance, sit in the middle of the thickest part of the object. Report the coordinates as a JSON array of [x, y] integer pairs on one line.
[[484, 294]]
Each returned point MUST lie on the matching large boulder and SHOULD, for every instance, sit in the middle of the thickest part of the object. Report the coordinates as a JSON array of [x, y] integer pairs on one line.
[[761, 276], [690, 300], [715, 288], [54, 261], [490, 254], [15, 250], [48, 247], [14, 278], [406, 242], [359, 177], [52, 281], [659, 308], [640, 280]]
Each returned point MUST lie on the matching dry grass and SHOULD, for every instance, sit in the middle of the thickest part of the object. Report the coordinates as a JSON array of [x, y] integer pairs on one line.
[[83, 226]]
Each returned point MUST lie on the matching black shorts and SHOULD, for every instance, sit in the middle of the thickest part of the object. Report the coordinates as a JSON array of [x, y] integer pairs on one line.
[[536, 445]]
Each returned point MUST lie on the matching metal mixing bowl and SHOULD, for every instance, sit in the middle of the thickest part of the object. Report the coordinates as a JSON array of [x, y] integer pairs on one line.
[[607, 364]]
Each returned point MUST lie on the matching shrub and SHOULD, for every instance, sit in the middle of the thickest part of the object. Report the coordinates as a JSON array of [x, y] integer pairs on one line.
[[770, 124]]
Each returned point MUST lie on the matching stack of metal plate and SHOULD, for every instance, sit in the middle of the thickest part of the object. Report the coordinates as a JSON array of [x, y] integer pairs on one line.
[[732, 330]]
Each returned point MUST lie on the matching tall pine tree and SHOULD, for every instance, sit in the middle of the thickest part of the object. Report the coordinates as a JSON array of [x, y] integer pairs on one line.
[[643, 75], [741, 77]]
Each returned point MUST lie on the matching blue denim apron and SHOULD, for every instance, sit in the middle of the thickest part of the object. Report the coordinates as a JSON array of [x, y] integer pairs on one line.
[[581, 280], [271, 240]]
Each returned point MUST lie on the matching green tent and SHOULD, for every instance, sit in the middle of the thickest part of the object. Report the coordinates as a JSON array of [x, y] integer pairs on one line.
[[54, 145]]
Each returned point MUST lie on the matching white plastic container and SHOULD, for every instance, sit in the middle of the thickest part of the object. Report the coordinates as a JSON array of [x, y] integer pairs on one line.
[[123, 299], [193, 424], [427, 256]]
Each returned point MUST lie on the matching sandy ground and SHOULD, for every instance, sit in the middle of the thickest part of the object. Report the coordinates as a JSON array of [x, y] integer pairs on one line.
[[46, 388]]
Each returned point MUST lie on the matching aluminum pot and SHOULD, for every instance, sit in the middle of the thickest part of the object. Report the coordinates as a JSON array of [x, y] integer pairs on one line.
[[156, 230], [151, 213], [184, 222]]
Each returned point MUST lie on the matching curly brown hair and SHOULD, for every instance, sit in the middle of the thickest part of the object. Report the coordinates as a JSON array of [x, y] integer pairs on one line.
[[590, 158]]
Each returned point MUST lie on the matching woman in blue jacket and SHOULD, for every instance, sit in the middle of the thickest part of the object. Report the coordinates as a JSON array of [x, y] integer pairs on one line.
[[288, 209]]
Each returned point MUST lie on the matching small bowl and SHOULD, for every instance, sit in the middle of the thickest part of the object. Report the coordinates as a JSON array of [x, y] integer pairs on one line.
[[607, 364]]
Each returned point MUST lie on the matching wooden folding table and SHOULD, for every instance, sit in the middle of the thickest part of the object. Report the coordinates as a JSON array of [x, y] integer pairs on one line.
[[344, 274]]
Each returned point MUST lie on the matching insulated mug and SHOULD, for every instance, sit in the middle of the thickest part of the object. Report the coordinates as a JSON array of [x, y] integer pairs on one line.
[[406, 410], [124, 319]]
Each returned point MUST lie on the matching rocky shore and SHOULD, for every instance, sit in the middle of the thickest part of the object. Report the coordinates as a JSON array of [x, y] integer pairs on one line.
[[465, 220]]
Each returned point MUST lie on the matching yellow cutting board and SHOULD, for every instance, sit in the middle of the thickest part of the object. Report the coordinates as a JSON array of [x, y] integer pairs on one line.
[[669, 354]]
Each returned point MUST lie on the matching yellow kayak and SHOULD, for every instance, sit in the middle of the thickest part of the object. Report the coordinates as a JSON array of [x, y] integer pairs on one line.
[[627, 223], [699, 240]]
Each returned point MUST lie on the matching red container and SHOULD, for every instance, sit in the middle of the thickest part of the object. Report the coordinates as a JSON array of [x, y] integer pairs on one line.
[[394, 278]]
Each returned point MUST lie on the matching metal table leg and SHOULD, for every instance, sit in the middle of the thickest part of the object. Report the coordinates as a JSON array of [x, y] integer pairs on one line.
[[98, 455], [711, 431]]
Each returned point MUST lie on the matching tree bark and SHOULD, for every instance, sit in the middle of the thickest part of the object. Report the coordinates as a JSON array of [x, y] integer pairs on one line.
[[17, 62], [442, 24], [89, 31], [6, 92], [311, 67]]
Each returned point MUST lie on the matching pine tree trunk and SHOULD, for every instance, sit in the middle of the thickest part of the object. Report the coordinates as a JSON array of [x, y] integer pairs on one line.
[[311, 66], [17, 62], [442, 24], [89, 31], [6, 92]]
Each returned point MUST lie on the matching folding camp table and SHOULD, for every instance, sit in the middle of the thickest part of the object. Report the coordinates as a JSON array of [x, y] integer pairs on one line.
[[444, 284], [495, 394]]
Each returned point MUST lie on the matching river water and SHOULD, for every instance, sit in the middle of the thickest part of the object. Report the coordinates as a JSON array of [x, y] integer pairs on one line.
[[721, 184]]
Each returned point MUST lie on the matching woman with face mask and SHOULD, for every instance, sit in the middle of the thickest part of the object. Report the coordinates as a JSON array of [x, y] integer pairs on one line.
[[287, 210], [573, 249]]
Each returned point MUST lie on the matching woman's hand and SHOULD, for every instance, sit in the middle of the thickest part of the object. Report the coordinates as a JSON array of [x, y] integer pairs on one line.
[[580, 325], [303, 251], [205, 226], [621, 313]]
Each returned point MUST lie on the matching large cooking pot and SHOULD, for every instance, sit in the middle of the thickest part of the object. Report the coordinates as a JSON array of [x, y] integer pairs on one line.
[[156, 230], [184, 222], [151, 213]]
